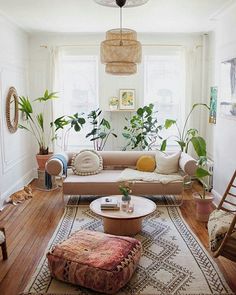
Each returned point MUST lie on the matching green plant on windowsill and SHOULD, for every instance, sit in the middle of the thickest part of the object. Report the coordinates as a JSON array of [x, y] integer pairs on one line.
[[101, 130], [142, 130], [188, 136]]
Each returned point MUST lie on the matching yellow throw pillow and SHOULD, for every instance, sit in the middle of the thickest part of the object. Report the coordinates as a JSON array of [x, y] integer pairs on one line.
[[146, 164]]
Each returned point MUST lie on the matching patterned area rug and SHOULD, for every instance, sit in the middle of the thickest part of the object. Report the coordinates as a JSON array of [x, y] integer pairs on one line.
[[173, 259]]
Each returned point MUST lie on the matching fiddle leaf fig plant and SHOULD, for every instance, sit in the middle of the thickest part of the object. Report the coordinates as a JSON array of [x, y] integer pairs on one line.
[[101, 130], [142, 130], [35, 122]]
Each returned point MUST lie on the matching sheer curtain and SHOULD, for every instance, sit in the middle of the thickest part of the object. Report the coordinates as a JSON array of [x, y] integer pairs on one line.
[[74, 72], [196, 65]]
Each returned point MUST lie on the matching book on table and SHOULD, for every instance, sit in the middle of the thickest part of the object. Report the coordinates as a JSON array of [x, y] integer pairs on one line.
[[109, 203]]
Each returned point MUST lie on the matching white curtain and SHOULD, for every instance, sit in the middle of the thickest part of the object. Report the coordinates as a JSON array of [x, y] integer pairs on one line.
[[197, 86]]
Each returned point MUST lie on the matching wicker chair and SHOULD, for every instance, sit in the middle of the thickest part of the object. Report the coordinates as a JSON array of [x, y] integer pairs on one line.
[[3, 243], [223, 220]]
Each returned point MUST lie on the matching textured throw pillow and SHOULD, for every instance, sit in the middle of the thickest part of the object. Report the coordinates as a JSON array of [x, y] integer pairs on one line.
[[87, 162], [167, 164], [146, 164]]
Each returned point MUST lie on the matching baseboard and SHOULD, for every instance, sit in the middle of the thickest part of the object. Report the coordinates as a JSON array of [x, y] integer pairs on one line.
[[24, 180], [217, 197]]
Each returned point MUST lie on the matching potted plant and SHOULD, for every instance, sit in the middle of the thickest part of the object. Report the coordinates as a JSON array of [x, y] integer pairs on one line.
[[114, 103], [43, 133], [203, 199], [75, 122], [35, 124], [101, 130], [125, 190], [188, 136], [142, 130]]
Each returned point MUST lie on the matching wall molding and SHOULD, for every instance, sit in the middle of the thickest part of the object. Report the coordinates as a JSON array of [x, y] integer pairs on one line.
[[7, 165], [25, 179]]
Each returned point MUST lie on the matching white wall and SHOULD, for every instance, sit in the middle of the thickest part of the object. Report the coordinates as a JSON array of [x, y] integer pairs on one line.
[[108, 85], [15, 149], [225, 129]]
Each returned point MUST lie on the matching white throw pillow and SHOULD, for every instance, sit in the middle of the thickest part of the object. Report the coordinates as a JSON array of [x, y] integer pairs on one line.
[[167, 164], [87, 162]]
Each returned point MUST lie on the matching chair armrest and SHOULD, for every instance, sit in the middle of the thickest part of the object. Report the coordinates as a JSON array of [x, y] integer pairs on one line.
[[188, 164], [54, 166]]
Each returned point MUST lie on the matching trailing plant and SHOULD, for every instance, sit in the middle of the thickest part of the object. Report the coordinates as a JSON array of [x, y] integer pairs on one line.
[[75, 122], [101, 130], [142, 130], [35, 122], [188, 136]]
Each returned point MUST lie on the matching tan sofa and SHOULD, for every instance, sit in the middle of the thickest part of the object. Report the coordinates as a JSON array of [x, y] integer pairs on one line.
[[106, 182]]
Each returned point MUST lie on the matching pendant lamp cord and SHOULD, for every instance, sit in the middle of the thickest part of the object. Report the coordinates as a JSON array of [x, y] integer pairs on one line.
[[121, 41]]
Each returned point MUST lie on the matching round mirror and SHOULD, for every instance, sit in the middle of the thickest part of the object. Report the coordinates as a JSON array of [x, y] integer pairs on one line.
[[12, 110]]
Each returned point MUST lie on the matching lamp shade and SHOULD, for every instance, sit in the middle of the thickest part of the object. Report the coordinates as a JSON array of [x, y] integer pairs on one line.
[[125, 34], [121, 69], [125, 51]]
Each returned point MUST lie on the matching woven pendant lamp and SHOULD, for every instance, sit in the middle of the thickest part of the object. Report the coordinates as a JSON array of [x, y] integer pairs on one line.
[[121, 52]]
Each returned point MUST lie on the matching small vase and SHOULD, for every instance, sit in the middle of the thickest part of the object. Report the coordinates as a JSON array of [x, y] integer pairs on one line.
[[125, 203]]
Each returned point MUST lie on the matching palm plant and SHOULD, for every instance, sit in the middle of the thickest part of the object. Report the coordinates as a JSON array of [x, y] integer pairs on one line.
[[101, 130], [36, 121]]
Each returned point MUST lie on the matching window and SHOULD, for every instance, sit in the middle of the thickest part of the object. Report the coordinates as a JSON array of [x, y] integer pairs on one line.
[[164, 87], [79, 93]]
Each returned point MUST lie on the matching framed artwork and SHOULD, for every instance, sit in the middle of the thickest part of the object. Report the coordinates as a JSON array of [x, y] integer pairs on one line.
[[213, 105], [127, 99], [228, 88]]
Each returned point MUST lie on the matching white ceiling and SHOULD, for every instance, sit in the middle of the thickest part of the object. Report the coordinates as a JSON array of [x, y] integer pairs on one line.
[[87, 16]]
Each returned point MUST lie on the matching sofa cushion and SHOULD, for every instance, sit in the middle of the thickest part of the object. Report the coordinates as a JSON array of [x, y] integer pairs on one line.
[[87, 162], [98, 261], [146, 164], [107, 183], [167, 164]]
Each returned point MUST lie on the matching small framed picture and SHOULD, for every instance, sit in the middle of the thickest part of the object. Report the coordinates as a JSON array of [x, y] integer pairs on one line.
[[127, 99]]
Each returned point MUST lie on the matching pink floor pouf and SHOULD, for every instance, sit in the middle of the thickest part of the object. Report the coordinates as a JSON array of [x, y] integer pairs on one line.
[[94, 260]]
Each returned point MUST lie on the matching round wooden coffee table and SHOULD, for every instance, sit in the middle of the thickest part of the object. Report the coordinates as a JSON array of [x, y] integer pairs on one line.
[[124, 223]]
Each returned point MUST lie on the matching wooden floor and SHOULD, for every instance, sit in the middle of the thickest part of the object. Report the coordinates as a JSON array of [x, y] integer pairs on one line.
[[29, 227]]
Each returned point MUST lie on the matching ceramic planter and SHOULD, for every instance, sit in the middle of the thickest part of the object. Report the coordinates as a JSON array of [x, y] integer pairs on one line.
[[203, 207], [42, 160]]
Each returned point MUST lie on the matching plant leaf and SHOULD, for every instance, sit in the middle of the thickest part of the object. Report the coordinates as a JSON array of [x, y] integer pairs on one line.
[[169, 123], [201, 172], [163, 145], [199, 145]]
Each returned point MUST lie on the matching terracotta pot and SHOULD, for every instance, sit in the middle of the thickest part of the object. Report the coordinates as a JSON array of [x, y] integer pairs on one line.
[[203, 207], [42, 160]]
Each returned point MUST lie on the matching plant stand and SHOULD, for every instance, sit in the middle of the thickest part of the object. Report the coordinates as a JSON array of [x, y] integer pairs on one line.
[[40, 184]]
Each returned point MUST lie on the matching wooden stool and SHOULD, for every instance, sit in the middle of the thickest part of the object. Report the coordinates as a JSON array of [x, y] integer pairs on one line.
[[3, 243]]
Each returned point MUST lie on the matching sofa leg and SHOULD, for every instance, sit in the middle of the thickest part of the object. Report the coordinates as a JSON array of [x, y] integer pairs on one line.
[[4, 250]]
